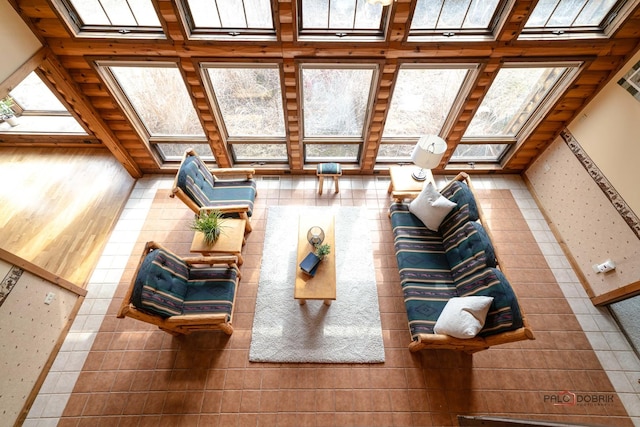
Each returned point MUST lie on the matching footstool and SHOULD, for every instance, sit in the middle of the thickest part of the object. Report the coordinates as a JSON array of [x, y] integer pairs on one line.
[[328, 169]]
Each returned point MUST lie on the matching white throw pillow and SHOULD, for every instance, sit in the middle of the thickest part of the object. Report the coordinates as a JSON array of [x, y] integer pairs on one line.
[[463, 317], [431, 207]]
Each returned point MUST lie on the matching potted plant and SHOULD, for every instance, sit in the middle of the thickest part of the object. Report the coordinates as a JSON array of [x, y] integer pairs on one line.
[[6, 111], [323, 250], [210, 224]]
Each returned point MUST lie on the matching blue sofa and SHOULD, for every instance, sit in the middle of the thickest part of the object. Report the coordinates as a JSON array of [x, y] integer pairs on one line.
[[456, 261]]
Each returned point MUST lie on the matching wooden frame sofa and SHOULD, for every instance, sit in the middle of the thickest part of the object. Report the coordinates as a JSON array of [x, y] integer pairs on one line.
[[458, 260], [181, 295], [201, 188]]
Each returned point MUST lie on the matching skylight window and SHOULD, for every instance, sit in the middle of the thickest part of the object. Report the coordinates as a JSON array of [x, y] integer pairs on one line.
[[343, 19], [454, 18], [40, 110], [229, 18], [123, 17], [557, 18]]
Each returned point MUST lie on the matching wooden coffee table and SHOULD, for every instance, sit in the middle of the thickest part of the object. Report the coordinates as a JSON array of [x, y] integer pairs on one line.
[[403, 185], [230, 241], [322, 286]]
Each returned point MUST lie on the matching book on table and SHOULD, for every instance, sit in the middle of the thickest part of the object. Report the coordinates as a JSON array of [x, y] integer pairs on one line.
[[310, 264]]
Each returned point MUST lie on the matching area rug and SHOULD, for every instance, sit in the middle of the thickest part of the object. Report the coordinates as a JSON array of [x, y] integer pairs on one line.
[[347, 331]]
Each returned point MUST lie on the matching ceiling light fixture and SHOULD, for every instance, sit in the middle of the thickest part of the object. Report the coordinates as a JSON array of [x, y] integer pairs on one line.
[[382, 2]]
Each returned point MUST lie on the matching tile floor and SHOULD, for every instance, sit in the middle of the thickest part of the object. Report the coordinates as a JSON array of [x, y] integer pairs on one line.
[[104, 374]]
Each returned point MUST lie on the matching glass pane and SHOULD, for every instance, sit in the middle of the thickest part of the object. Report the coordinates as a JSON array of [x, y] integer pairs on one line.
[[480, 13], [44, 124], [453, 14], [422, 100], [249, 99], [512, 98], [315, 14], [478, 152], [268, 152], [118, 12], [91, 12], [33, 94], [569, 13], [332, 152], [595, 12], [204, 13], [176, 151], [394, 152], [231, 14], [259, 14], [335, 101], [341, 15], [160, 98]]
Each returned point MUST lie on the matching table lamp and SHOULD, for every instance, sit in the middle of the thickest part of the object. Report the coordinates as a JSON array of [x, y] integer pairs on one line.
[[427, 154]]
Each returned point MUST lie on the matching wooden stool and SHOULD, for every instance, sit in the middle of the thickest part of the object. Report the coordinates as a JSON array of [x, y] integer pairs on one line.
[[328, 169]]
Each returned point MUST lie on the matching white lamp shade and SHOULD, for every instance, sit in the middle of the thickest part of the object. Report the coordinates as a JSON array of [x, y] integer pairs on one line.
[[428, 151], [382, 2]]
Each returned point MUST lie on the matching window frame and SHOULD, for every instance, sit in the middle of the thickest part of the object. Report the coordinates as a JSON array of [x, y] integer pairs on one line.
[[74, 23], [473, 69], [21, 111], [497, 22], [573, 69], [227, 34], [343, 35], [222, 127], [375, 66], [102, 66], [610, 23]]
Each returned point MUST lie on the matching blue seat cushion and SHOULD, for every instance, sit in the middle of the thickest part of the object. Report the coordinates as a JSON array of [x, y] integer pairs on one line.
[[211, 290], [465, 210], [329, 169], [195, 179], [232, 192], [161, 284], [468, 249], [504, 313]]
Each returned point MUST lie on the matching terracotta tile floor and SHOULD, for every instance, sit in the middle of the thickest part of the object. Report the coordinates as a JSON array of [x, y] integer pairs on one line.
[[136, 375]]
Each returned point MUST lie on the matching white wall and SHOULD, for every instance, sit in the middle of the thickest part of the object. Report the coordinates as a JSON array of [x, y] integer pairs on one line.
[[19, 43]]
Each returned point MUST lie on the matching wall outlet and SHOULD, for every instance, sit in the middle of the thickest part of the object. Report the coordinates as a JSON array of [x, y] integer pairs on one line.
[[49, 298], [606, 266]]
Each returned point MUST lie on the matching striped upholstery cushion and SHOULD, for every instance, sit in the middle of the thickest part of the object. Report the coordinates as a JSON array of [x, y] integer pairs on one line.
[[329, 169], [425, 276], [211, 290], [465, 210], [161, 284], [233, 192], [196, 181], [504, 314], [468, 249]]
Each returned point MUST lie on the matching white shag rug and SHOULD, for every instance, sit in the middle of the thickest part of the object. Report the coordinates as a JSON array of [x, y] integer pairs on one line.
[[347, 331]]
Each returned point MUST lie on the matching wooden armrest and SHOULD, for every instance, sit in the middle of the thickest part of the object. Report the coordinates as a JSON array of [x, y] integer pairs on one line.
[[401, 195], [211, 260], [248, 172], [197, 318], [226, 208]]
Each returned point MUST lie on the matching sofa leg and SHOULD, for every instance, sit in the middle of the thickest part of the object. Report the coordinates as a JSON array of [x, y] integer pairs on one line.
[[226, 328]]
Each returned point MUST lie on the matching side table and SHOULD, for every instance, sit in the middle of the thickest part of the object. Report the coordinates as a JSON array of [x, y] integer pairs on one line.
[[403, 185], [230, 241]]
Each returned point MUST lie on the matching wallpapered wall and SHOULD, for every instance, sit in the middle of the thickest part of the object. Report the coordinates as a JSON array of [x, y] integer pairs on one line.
[[587, 221], [29, 330], [586, 184]]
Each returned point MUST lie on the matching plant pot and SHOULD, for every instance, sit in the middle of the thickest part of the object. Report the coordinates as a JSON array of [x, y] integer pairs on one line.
[[12, 120]]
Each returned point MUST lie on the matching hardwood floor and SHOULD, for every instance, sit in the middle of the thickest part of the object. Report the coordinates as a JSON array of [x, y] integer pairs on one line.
[[58, 207]]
